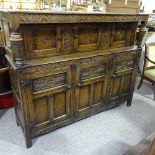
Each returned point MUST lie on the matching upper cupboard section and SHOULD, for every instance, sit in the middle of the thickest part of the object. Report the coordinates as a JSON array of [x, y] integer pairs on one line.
[[60, 39]]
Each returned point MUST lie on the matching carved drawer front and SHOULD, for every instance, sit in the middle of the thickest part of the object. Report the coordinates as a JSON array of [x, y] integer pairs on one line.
[[40, 40], [50, 92], [90, 88], [122, 77], [86, 37]]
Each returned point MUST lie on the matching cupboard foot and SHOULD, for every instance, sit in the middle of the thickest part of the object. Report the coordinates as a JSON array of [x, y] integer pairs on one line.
[[129, 103], [28, 139], [17, 122]]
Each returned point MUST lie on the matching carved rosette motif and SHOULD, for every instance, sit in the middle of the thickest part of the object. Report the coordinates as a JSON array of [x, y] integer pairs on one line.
[[92, 72], [48, 82]]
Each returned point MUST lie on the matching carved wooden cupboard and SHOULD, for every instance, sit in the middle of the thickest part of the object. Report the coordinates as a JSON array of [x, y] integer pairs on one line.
[[65, 67]]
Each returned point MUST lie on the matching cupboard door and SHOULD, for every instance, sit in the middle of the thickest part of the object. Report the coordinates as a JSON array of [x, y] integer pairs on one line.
[[42, 40], [49, 97], [86, 37], [90, 88], [123, 35], [122, 78]]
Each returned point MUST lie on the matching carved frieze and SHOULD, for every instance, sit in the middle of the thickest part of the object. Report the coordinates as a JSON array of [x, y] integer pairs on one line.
[[73, 18], [48, 82], [29, 17], [90, 60], [92, 72], [125, 53]]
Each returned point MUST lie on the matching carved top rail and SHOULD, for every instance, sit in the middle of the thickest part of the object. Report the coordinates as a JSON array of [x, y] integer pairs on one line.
[[16, 18]]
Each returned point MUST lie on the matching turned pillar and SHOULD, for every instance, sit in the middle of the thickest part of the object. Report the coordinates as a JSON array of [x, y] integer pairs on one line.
[[17, 47], [142, 35]]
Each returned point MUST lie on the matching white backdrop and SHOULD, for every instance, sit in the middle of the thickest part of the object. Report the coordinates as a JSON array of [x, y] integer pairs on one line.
[[149, 5]]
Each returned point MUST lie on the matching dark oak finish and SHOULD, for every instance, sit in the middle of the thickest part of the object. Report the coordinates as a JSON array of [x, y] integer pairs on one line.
[[65, 67]]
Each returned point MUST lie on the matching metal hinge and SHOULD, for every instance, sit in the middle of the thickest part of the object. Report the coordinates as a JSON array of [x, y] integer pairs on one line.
[[25, 83]]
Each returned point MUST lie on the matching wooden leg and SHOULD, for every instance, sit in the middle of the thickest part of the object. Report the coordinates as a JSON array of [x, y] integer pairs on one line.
[[129, 102], [17, 122], [28, 138], [140, 83]]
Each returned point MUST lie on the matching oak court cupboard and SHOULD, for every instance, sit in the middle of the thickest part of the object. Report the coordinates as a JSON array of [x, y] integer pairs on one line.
[[67, 66]]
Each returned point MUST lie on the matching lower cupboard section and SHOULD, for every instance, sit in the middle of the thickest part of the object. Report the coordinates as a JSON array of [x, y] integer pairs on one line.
[[48, 126], [50, 96]]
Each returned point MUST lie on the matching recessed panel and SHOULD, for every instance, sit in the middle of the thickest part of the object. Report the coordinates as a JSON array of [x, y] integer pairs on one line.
[[44, 39], [88, 36], [84, 97], [120, 34], [127, 82], [98, 87], [115, 86], [41, 109], [59, 101]]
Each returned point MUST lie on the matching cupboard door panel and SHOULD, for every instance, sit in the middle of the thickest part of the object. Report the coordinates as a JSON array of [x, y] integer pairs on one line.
[[86, 37], [122, 77], [41, 40], [84, 97], [50, 96], [44, 39], [41, 110], [98, 91], [59, 101], [119, 35], [126, 83], [115, 87]]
